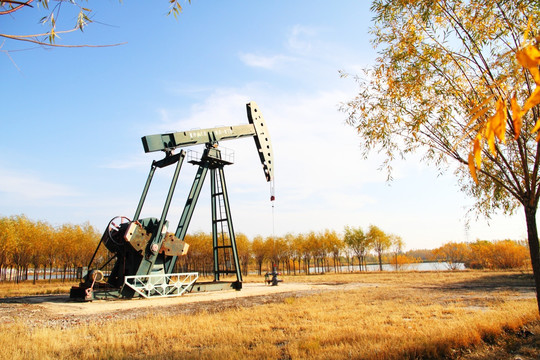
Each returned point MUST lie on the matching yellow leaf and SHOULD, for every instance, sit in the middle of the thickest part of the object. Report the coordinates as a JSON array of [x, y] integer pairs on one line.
[[526, 33], [529, 56], [477, 112], [490, 136], [516, 116], [477, 127], [472, 168], [532, 101], [535, 74], [480, 113], [476, 109], [499, 120], [477, 150], [536, 127]]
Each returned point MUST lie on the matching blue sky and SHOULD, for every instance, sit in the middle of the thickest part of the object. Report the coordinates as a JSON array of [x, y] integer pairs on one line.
[[70, 148]]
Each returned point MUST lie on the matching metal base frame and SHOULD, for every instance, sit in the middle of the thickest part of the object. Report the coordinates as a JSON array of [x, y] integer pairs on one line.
[[161, 285]]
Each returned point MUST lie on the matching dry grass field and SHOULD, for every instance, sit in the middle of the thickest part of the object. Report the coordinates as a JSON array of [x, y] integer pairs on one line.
[[465, 315], [40, 288]]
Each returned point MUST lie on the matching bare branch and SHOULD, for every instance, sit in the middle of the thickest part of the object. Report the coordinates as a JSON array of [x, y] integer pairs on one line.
[[14, 37], [20, 5]]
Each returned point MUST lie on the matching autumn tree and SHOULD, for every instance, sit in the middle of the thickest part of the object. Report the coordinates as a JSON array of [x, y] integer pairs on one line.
[[7, 243], [260, 252], [277, 250], [200, 256], [85, 239], [244, 251], [357, 241], [317, 250], [309, 250], [453, 254], [51, 250], [508, 254], [296, 251], [335, 245], [67, 241], [457, 81], [504, 254], [42, 239], [380, 240], [22, 252], [396, 244], [291, 253]]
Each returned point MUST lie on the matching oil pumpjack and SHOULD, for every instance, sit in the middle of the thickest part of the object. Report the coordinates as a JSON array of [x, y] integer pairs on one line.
[[142, 254]]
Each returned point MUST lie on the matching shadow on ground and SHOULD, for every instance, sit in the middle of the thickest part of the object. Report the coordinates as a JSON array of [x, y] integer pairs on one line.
[[495, 282]]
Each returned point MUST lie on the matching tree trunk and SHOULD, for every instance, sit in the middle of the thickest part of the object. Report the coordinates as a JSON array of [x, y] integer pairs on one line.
[[532, 234], [380, 261]]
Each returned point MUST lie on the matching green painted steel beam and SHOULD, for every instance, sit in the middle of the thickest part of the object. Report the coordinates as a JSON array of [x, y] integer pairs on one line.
[[171, 141], [187, 213], [256, 128]]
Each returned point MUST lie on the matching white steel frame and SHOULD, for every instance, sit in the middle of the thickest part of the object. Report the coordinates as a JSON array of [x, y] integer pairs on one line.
[[161, 285]]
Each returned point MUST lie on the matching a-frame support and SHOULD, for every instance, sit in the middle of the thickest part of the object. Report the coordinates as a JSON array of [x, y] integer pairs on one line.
[[225, 252]]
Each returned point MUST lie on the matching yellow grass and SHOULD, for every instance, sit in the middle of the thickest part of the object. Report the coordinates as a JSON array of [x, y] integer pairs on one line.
[[42, 287], [390, 316]]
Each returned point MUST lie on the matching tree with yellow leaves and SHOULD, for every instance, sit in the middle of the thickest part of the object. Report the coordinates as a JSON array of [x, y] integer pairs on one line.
[[453, 254], [260, 251], [380, 240], [458, 82], [356, 240], [244, 251]]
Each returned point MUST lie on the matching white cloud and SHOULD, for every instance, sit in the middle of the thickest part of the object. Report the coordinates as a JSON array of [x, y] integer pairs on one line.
[[272, 62], [300, 39], [299, 44], [28, 185]]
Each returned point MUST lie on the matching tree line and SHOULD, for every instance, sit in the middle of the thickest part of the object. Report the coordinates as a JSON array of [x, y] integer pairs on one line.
[[47, 251], [36, 250], [481, 254]]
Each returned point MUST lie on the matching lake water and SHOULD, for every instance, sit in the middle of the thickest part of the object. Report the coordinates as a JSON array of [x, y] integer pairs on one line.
[[426, 266]]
